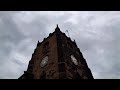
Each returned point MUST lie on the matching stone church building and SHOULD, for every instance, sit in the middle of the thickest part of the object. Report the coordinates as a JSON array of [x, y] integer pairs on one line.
[[57, 57]]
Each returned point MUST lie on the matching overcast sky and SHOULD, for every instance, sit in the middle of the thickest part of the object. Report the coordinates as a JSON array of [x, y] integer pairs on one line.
[[97, 34]]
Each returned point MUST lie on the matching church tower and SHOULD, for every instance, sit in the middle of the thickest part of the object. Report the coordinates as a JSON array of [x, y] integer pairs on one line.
[[57, 57]]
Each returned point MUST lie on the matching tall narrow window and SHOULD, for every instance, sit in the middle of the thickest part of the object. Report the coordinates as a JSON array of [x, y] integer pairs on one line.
[[62, 67], [62, 75], [43, 76], [46, 48]]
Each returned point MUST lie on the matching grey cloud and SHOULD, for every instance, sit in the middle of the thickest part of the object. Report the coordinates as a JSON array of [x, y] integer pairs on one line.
[[9, 38], [96, 33], [104, 38]]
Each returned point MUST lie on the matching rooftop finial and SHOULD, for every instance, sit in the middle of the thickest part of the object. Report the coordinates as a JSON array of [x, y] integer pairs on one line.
[[38, 43], [57, 25], [57, 28], [68, 33]]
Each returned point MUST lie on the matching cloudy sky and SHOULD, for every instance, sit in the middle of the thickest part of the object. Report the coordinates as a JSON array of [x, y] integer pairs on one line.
[[97, 34]]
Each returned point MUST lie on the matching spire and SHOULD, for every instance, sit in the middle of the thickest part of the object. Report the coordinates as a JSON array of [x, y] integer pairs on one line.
[[57, 29], [57, 26]]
